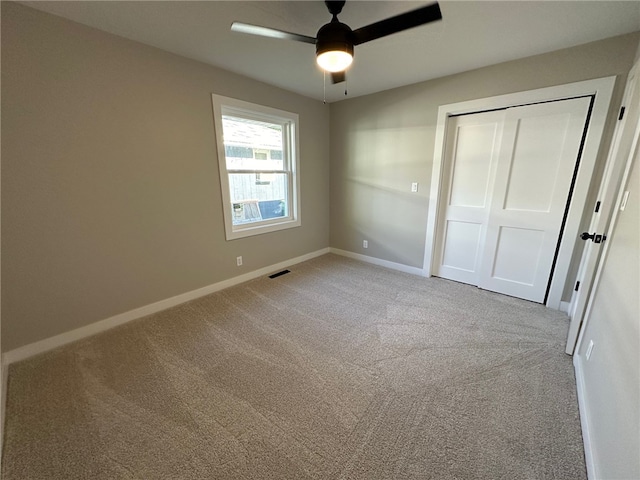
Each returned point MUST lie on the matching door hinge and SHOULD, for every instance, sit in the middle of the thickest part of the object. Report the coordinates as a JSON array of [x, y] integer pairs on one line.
[[597, 206], [621, 113], [577, 287]]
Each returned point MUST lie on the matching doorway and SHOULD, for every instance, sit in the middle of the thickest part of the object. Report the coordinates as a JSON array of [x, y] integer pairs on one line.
[[600, 92]]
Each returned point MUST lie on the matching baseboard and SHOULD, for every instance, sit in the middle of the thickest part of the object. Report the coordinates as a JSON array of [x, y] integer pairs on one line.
[[564, 307], [50, 343], [584, 418], [377, 261], [3, 407]]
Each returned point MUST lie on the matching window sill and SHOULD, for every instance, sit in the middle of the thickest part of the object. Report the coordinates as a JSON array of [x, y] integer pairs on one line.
[[243, 231]]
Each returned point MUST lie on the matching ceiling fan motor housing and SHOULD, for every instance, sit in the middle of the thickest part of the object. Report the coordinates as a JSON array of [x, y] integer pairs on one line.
[[334, 36]]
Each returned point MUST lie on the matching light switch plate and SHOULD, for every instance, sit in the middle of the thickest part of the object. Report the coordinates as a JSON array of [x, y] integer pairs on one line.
[[589, 350], [625, 197]]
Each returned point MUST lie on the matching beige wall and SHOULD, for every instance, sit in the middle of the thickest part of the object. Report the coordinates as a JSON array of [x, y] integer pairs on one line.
[[382, 142], [110, 189]]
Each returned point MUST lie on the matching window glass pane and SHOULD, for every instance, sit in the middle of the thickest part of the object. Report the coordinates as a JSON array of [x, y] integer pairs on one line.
[[251, 144], [257, 197]]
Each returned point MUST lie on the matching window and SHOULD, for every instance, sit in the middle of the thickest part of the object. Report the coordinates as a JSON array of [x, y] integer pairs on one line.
[[258, 161]]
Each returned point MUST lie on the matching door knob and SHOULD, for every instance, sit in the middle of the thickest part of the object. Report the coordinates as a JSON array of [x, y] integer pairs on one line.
[[594, 237]]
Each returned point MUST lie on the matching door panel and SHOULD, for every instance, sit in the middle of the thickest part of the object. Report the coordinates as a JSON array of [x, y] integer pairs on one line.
[[536, 164], [472, 147], [517, 255], [461, 245], [471, 164]]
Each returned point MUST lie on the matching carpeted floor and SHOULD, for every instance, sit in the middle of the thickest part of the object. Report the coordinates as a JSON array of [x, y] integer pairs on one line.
[[337, 370]]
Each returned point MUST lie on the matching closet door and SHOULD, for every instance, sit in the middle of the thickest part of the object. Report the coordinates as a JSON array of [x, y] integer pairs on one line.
[[537, 159], [507, 180], [472, 147]]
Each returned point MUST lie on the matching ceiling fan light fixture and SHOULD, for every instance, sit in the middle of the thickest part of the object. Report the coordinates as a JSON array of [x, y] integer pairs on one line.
[[334, 46], [334, 60]]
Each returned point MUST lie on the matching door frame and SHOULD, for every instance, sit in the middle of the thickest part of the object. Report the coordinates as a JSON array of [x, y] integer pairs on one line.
[[602, 90]]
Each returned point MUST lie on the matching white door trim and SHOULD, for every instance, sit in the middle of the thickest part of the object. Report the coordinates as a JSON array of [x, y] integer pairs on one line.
[[602, 90]]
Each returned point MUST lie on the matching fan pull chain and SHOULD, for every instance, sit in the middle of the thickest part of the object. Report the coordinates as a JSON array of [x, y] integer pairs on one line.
[[346, 84], [324, 87]]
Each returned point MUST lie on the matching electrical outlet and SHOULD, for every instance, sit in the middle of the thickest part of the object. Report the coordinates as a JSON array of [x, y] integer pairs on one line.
[[239, 261], [589, 350], [365, 244], [414, 187]]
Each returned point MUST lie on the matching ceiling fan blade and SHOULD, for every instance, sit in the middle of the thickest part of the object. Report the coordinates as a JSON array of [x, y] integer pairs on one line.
[[270, 32], [401, 22], [337, 77]]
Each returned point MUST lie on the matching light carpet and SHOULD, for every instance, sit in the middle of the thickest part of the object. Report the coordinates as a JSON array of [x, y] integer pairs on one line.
[[337, 370]]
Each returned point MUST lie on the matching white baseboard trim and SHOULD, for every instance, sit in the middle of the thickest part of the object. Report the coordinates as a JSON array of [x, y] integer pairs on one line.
[[584, 418], [377, 261], [564, 307], [3, 407], [41, 346]]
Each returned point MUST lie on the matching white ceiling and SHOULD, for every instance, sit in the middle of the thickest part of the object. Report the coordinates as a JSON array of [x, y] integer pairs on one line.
[[471, 35]]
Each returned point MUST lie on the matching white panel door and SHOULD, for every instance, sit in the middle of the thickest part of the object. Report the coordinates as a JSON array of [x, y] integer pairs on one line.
[[625, 141], [539, 150], [472, 147]]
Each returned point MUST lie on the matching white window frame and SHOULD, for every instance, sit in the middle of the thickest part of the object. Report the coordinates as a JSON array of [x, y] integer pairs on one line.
[[290, 156]]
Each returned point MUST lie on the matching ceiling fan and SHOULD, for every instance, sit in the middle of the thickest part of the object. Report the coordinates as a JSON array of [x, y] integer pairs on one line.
[[335, 41]]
